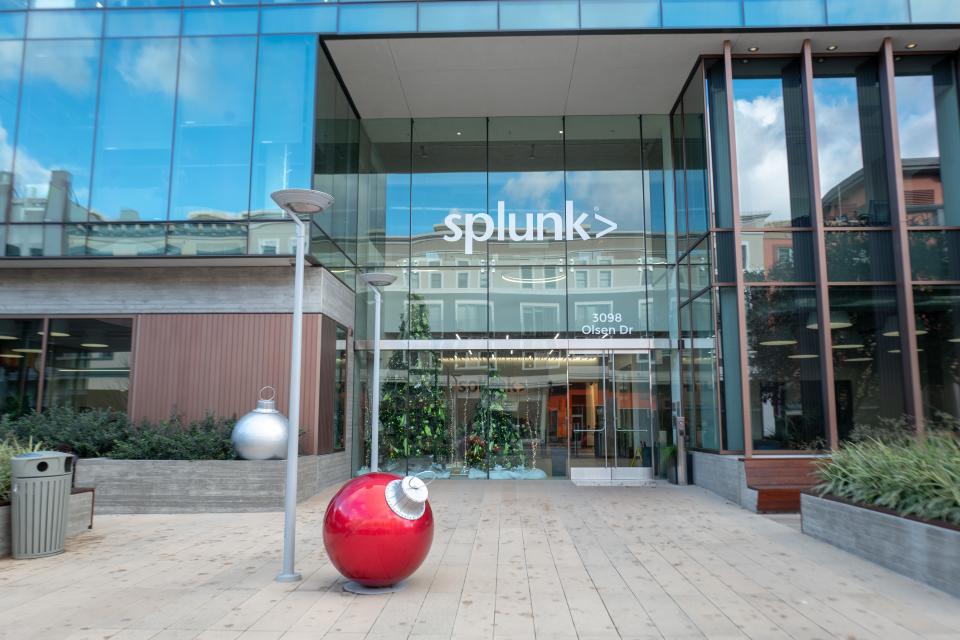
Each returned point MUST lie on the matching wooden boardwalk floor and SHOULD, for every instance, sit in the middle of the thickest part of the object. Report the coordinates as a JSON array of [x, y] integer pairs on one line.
[[510, 559]]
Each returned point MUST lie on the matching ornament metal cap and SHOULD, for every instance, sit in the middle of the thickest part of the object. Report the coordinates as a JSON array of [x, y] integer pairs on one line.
[[407, 497]]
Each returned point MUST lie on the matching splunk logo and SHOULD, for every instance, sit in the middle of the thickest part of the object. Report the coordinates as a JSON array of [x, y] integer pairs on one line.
[[480, 227]]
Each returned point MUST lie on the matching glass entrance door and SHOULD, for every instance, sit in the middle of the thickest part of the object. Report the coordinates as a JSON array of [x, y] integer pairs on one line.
[[610, 415]]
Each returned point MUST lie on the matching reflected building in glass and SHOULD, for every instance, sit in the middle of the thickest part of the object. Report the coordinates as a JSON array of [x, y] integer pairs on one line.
[[628, 245]]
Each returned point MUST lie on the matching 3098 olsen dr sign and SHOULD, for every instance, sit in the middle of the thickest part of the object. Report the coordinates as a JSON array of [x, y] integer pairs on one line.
[[480, 227]]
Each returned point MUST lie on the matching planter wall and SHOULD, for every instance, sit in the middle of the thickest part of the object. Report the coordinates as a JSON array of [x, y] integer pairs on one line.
[[924, 552], [724, 475], [78, 520], [203, 486]]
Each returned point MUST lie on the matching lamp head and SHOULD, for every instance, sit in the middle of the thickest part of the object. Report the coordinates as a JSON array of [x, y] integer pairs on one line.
[[302, 201], [379, 279]]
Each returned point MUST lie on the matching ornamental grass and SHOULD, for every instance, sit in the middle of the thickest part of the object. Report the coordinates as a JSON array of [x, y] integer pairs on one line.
[[911, 476]]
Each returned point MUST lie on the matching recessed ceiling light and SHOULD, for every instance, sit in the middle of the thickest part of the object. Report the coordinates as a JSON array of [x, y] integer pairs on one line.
[[911, 45], [753, 49], [560, 131], [459, 133], [94, 345], [832, 47]]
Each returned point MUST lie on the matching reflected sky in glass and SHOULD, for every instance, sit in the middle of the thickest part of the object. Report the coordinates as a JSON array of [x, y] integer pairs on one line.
[[135, 130], [838, 130], [917, 117]]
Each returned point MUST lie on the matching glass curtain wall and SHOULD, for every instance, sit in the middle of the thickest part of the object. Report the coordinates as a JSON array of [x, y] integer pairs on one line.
[[508, 236]]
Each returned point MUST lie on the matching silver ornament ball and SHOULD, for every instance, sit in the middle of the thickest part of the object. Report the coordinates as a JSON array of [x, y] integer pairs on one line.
[[262, 433]]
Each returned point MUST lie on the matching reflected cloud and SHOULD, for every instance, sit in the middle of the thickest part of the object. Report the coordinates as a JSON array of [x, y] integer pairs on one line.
[[917, 117], [537, 189], [145, 65], [838, 131], [762, 157], [74, 72]]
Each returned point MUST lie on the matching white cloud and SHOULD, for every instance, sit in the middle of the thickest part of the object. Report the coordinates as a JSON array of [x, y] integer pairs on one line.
[[838, 138], [535, 190], [149, 65], [762, 157]]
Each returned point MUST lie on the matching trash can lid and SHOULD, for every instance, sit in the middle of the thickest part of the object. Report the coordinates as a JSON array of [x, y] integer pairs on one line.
[[41, 454], [37, 464]]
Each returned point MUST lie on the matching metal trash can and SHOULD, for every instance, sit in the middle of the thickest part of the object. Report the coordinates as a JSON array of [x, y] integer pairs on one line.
[[40, 500]]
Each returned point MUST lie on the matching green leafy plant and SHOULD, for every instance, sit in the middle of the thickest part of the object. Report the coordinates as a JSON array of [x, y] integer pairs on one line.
[[206, 439], [10, 447], [911, 476], [668, 456], [88, 434], [499, 427]]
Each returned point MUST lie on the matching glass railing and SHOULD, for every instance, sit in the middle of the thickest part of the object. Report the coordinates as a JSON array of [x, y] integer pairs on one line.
[[452, 16]]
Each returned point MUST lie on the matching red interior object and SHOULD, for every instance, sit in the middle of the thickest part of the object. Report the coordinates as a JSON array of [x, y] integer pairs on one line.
[[366, 541]]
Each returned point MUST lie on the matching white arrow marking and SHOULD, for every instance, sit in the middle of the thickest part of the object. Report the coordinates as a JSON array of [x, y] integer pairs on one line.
[[611, 225]]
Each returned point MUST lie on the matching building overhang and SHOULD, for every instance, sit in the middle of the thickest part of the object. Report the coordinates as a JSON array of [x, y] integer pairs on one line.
[[559, 74]]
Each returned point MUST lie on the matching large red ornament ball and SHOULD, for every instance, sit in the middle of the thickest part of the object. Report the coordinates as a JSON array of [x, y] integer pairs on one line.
[[367, 541]]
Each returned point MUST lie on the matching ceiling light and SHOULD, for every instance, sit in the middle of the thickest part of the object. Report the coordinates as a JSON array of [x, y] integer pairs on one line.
[[55, 334], [911, 45], [27, 350], [777, 343], [894, 351], [803, 356], [753, 49], [832, 47], [8, 337], [949, 340], [560, 131], [859, 360], [459, 133], [10, 355], [838, 320], [94, 345], [848, 346]]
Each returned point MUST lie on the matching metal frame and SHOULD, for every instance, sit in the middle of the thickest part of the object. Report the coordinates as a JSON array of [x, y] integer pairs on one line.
[[913, 403]]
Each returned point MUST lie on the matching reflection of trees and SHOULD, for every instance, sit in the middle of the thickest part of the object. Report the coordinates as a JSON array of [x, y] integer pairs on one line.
[[495, 424], [778, 314]]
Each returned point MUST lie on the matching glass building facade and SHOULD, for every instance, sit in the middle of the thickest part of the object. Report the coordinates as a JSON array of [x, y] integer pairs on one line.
[[771, 259]]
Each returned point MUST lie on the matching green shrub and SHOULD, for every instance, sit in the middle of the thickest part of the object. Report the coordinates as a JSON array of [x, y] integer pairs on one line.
[[910, 476], [89, 434], [207, 439], [10, 447]]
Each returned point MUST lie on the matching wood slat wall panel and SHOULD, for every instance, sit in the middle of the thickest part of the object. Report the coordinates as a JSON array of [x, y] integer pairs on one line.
[[327, 373], [194, 364], [780, 472]]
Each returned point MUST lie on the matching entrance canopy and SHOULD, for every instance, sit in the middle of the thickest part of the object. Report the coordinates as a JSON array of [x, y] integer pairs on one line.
[[524, 74]]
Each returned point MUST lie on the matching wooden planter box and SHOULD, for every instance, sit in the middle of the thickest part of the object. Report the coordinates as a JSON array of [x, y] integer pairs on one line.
[[204, 486], [929, 553]]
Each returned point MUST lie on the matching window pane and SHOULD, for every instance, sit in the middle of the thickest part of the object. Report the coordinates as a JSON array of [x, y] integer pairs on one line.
[[449, 222], [12, 53], [341, 382], [658, 203], [378, 18], [771, 148], [700, 360], [612, 305], [534, 14], [219, 21], [126, 239], [523, 305], [207, 239], [938, 347], [935, 255], [55, 143], [458, 16], [298, 19], [778, 256], [850, 142], [701, 13], [88, 363], [20, 354], [283, 132], [866, 356], [604, 180], [784, 361], [619, 14], [527, 177], [135, 130], [211, 171], [859, 256], [446, 309], [875, 12], [138, 23], [939, 11], [272, 238], [65, 24], [762, 13], [32, 240], [12, 25], [384, 192], [929, 123]]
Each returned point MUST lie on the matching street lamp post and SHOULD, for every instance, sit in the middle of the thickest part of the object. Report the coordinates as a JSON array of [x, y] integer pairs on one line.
[[296, 203], [376, 281]]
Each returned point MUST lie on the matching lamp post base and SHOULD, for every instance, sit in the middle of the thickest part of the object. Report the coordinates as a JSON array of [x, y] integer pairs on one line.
[[359, 589], [289, 577]]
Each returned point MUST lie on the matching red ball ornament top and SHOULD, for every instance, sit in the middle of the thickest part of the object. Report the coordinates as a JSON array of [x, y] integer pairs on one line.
[[378, 528]]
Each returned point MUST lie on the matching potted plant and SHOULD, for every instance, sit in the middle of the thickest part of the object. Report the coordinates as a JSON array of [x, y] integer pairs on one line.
[[668, 462]]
